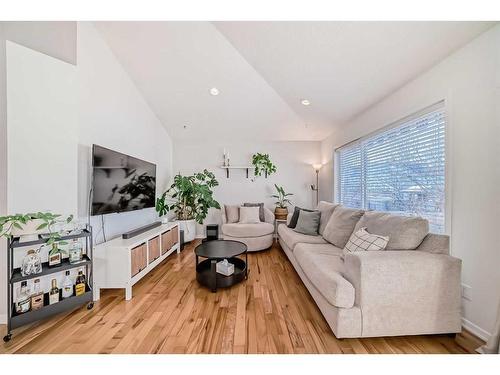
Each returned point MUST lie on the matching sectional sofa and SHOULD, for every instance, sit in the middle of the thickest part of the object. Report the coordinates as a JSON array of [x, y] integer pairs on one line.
[[411, 288]]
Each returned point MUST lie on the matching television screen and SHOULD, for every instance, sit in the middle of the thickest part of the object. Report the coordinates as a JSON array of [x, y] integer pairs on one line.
[[121, 182]]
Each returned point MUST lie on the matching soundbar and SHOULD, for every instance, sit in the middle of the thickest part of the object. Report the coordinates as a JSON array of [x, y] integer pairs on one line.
[[137, 231]]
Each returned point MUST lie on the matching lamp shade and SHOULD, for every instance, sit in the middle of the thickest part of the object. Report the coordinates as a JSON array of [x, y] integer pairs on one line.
[[317, 167]]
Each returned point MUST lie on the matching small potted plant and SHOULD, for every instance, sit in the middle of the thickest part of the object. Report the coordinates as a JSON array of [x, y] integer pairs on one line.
[[281, 210], [30, 225], [190, 198], [262, 165]]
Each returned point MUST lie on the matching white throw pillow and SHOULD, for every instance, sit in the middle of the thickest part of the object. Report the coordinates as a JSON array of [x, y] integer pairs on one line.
[[249, 215], [361, 240]]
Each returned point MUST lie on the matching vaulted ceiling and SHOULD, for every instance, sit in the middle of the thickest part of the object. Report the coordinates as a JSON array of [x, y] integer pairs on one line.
[[264, 69]]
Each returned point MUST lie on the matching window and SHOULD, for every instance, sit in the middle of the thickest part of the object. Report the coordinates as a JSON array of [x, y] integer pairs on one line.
[[400, 169]]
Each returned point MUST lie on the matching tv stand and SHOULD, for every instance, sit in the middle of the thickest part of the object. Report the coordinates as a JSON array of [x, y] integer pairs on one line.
[[120, 263]]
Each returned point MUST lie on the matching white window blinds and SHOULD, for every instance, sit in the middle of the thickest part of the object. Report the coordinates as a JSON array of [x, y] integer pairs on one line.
[[400, 169]]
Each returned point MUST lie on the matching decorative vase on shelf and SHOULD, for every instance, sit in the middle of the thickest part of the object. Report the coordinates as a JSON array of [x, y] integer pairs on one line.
[[32, 263], [281, 213]]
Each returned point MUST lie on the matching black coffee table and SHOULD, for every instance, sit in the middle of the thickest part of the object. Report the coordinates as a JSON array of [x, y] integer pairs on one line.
[[215, 251]]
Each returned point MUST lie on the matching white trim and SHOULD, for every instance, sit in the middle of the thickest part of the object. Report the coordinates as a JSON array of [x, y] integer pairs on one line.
[[475, 330], [3, 319]]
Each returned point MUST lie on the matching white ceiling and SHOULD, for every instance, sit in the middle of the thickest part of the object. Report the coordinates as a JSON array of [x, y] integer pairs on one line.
[[264, 69]]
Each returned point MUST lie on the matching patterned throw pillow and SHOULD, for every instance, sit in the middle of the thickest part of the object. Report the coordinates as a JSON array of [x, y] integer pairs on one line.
[[361, 240]]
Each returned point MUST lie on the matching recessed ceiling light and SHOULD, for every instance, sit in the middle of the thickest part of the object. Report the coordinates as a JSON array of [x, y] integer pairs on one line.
[[214, 91], [305, 102]]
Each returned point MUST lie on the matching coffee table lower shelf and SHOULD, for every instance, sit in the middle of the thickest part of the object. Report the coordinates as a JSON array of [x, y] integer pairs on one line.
[[207, 276]]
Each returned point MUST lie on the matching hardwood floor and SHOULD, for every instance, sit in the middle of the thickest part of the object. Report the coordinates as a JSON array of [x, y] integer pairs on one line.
[[271, 312]]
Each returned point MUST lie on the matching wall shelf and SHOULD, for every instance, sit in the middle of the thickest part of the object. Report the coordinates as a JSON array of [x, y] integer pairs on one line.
[[245, 167]]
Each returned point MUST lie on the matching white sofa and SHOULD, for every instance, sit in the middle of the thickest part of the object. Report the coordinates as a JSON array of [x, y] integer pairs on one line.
[[257, 236], [379, 293]]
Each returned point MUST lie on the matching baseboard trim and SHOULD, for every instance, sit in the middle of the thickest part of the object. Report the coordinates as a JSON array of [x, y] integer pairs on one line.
[[475, 330], [3, 318]]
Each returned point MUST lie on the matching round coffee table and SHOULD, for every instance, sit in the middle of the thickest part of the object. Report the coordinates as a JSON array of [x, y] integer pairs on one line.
[[215, 251]]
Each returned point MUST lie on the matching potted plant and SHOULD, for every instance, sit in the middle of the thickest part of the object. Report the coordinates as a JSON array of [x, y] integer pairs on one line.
[[262, 164], [31, 224], [189, 197], [281, 210]]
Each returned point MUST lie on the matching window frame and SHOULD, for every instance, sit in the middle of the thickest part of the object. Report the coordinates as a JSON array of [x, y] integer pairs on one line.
[[442, 105]]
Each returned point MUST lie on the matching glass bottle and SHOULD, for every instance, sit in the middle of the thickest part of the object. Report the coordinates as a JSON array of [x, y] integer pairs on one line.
[[80, 283], [67, 287], [23, 302], [55, 256], [75, 252], [32, 264], [54, 293], [36, 296]]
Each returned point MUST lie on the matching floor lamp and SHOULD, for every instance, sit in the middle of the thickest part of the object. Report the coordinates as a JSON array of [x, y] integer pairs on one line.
[[315, 188]]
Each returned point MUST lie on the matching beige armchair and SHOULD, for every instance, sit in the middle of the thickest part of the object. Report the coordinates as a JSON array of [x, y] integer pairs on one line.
[[256, 236]]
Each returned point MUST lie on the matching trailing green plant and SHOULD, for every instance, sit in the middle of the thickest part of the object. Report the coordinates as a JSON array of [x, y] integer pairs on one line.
[[262, 165], [281, 196], [8, 223], [190, 197]]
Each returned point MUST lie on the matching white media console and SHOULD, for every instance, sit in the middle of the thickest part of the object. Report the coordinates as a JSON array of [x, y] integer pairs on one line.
[[120, 263]]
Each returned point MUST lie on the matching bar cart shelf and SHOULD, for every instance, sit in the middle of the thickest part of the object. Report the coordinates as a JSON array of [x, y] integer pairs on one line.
[[14, 276]]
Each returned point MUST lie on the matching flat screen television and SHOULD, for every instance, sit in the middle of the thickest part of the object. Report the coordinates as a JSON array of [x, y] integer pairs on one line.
[[120, 182]]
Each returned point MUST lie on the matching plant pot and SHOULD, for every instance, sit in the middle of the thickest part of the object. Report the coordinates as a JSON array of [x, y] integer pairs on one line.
[[280, 213], [189, 228]]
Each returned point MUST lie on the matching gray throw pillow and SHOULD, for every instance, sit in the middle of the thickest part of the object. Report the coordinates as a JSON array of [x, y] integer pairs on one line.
[[308, 223], [262, 216], [295, 216], [341, 225]]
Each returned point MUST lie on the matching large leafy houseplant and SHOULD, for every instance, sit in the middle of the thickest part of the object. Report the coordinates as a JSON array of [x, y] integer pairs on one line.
[[262, 165], [190, 197]]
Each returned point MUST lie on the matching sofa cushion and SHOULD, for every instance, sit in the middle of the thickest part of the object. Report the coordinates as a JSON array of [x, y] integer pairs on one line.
[[308, 223], [324, 267], [247, 230], [341, 225], [249, 215], [404, 232], [262, 217], [292, 238], [326, 209], [232, 213], [295, 216]]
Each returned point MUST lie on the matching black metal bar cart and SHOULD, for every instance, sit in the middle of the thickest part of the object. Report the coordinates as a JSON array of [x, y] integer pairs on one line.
[[14, 277]]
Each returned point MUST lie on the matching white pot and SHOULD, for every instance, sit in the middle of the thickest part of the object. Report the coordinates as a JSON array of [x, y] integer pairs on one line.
[[189, 228]]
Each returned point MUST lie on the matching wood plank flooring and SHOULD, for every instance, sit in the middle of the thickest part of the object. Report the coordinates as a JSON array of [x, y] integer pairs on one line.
[[271, 312]]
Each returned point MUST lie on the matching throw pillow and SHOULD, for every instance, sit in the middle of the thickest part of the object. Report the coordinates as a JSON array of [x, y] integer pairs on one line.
[[308, 223], [326, 209], [341, 225], [249, 215], [295, 216], [361, 240], [262, 216], [232, 214]]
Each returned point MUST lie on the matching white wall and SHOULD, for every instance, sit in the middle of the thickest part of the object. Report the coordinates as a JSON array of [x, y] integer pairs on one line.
[[112, 113], [42, 132], [293, 161], [3, 170], [469, 82]]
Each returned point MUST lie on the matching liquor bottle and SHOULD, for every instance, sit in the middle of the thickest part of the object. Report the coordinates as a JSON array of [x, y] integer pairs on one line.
[[54, 293], [80, 283], [75, 252], [23, 303], [36, 296], [55, 256], [67, 287]]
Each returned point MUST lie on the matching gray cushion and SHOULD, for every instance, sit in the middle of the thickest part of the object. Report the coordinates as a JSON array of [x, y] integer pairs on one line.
[[295, 216], [326, 209], [232, 213], [341, 225], [261, 209], [308, 223], [404, 232]]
